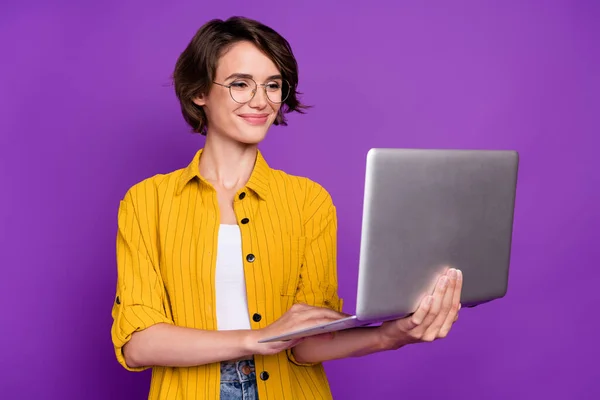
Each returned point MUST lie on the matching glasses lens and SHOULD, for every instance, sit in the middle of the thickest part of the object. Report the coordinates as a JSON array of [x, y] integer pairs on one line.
[[277, 92], [242, 90]]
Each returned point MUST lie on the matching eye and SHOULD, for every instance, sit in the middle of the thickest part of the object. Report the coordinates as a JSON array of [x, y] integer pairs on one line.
[[273, 86], [239, 85]]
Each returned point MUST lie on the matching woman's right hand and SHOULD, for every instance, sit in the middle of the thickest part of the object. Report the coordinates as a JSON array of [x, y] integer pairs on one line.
[[299, 316]]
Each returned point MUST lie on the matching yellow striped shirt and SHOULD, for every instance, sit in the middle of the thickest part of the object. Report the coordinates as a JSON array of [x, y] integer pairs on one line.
[[166, 258]]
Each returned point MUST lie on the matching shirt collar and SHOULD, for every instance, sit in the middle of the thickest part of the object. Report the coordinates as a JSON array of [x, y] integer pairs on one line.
[[258, 182]]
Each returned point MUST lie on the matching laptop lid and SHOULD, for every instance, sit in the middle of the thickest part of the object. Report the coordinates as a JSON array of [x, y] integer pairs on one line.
[[425, 209]]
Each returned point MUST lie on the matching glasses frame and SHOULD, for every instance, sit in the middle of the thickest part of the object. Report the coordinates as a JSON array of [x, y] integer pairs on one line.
[[264, 86]]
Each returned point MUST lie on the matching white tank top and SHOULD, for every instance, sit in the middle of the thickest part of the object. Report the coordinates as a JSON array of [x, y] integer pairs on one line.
[[232, 303]]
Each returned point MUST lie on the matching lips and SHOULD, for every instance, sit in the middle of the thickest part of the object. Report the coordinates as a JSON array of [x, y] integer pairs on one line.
[[255, 119]]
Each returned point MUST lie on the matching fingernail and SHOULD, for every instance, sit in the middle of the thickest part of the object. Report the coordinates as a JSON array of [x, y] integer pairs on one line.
[[459, 274], [444, 281], [452, 273]]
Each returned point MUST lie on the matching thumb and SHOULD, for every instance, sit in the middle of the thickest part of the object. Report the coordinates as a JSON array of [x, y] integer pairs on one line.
[[295, 342]]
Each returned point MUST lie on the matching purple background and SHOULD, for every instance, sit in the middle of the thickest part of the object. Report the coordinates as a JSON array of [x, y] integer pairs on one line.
[[86, 111]]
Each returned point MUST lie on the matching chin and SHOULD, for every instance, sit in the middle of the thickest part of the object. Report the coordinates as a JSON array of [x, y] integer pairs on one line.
[[253, 136], [249, 134]]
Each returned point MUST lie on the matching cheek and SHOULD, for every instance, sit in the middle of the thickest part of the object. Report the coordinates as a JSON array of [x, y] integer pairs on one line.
[[226, 111], [276, 108]]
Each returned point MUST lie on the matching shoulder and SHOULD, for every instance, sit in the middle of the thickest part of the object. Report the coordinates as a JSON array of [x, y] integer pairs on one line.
[[311, 194], [143, 192], [140, 205]]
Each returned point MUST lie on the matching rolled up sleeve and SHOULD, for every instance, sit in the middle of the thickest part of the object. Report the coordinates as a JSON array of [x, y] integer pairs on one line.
[[140, 294], [318, 282]]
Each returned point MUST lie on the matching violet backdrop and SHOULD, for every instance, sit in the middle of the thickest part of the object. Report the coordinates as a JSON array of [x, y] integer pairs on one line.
[[87, 110]]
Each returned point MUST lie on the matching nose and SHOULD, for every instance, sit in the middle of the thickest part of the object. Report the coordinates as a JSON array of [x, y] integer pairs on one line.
[[260, 98]]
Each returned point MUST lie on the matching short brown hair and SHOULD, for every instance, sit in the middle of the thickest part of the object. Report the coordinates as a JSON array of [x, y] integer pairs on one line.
[[196, 67]]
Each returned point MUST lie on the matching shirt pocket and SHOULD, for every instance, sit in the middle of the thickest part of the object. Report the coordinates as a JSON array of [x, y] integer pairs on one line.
[[291, 258]]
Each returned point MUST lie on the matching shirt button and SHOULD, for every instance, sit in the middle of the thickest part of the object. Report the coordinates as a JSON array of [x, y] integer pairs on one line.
[[264, 375], [245, 221], [242, 195], [256, 317], [250, 257]]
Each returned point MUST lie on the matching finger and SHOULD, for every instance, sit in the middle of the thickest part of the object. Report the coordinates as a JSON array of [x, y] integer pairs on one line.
[[411, 322], [442, 325], [448, 300], [303, 307], [315, 313], [436, 304], [310, 317], [314, 321], [299, 307], [433, 329], [458, 287], [456, 317], [286, 344], [321, 321], [292, 342], [453, 314]]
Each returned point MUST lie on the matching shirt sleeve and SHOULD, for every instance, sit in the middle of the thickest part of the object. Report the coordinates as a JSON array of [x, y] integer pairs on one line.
[[139, 301], [318, 281]]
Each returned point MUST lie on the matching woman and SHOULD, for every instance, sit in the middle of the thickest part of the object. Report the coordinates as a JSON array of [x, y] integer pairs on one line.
[[217, 255]]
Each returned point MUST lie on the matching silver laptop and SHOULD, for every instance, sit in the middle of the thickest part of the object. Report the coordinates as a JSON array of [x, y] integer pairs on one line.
[[424, 210]]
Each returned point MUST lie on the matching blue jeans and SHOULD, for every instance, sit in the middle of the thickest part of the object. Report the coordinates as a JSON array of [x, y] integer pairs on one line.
[[238, 381]]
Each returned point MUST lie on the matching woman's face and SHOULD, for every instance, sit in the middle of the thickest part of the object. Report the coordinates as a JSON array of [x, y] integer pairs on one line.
[[239, 119]]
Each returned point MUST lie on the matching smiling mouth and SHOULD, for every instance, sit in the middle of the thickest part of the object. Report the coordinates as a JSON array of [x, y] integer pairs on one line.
[[255, 119]]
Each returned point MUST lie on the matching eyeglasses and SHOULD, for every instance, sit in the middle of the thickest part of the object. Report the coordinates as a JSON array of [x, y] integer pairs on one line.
[[242, 90]]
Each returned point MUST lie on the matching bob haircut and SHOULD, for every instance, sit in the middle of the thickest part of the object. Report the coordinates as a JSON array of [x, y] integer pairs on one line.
[[197, 65]]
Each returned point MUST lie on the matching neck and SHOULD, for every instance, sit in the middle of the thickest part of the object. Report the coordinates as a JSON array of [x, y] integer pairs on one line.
[[226, 163]]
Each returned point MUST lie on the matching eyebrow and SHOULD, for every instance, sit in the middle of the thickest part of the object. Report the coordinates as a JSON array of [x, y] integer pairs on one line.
[[248, 76]]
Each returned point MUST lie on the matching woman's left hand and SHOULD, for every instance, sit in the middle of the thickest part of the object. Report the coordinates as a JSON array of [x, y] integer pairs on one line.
[[432, 320]]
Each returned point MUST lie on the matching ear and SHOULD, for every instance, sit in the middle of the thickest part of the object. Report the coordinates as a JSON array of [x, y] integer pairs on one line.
[[199, 100]]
